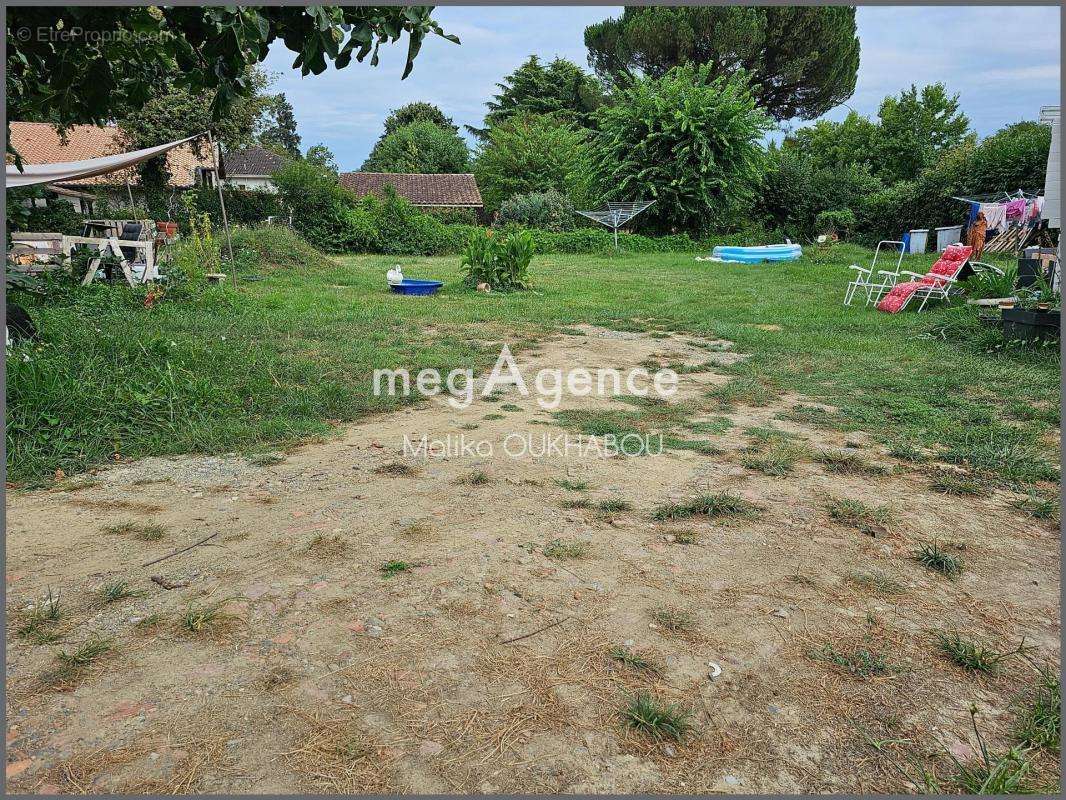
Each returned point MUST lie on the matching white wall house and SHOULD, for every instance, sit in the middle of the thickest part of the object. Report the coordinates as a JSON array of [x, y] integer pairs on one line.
[[251, 168]]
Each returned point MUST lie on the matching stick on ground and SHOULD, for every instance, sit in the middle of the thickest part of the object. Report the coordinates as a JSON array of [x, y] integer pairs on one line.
[[534, 633], [179, 551]]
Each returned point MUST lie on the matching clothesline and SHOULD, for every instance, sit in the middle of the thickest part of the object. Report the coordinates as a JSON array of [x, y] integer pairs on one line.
[[1001, 197]]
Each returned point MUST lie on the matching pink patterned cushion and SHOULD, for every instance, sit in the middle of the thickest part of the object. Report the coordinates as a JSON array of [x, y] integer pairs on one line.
[[898, 296], [950, 264]]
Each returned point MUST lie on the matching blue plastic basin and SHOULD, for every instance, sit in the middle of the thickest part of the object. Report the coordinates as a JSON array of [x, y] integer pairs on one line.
[[414, 287]]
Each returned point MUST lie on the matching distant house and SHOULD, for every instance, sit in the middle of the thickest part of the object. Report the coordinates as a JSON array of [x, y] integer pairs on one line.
[[40, 143], [252, 168], [426, 191]]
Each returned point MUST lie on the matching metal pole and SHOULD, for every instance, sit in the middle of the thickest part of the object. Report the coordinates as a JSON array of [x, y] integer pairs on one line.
[[129, 191], [222, 205]]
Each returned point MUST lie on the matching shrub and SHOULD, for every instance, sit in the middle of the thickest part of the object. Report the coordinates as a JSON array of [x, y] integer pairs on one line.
[[501, 262], [402, 229], [243, 206], [454, 216], [1015, 157], [421, 146], [841, 222], [58, 216], [886, 214], [529, 154], [321, 208], [689, 141], [548, 210]]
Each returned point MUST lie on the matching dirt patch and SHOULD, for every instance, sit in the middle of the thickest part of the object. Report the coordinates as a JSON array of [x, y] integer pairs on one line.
[[373, 605]]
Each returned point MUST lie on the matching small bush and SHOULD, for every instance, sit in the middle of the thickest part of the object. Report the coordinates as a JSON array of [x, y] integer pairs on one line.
[[841, 222], [1041, 718], [559, 549], [861, 663], [711, 505], [972, 654], [550, 210]]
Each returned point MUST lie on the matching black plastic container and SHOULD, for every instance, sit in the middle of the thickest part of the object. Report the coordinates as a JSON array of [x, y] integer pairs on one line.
[[1030, 326]]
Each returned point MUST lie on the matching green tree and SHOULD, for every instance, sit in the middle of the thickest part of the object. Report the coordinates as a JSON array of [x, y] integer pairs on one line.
[[830, 144], [322, 157], [421, 146], [111, 59], [278, 126], [560, 88], [412, 112], [532, 153], [802, 60], [689, 141], [1013, 158], [174, 112], [916, 127]]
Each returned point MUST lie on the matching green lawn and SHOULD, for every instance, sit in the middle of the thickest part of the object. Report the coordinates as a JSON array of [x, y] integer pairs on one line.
[[289, 356]]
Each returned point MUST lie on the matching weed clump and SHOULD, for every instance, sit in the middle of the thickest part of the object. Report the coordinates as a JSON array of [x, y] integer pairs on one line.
[[972, 654], [708, 505], [861, 663], [659, 720], [936, 558]]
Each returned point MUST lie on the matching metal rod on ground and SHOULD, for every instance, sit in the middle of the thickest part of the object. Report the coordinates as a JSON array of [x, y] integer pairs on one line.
[[222, 205]]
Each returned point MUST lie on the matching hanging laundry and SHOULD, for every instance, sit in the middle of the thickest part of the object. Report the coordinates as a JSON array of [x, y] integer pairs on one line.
[[995, 215], [1016, 209]]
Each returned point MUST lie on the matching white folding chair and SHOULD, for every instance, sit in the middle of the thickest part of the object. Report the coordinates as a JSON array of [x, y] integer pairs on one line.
[[864, 279]]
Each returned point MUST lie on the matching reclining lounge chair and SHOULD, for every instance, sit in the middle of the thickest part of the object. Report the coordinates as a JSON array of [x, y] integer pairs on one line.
[[937, 284]]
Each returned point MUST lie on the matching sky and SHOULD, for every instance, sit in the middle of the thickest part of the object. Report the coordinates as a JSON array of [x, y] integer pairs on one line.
[[1003, 61]]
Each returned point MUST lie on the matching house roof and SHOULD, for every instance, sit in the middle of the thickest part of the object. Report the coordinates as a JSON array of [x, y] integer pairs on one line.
[[40, 143], [257, 161], [422, 189]]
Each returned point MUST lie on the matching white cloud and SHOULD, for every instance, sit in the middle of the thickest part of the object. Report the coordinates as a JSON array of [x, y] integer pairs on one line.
[[1003, 61]]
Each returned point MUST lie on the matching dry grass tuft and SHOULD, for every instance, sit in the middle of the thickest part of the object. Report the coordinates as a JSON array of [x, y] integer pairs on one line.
[[145, 531], [397, 469], [675, 621], [335, 756], [325, 545], [131, 506]]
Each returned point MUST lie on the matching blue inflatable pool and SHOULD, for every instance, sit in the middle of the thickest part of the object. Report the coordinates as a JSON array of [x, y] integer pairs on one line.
[[414, 287], [753, 255]]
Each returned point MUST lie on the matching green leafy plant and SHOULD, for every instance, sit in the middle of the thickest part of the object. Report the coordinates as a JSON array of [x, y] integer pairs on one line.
[[502, 263], [987, 283], [974, 655], [861, 663]]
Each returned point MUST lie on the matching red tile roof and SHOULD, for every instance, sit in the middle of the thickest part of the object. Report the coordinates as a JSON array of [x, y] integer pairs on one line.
[[441, 189], [40, 143]]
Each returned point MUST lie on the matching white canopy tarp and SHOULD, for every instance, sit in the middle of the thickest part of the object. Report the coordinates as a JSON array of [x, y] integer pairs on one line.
[[65, 171]]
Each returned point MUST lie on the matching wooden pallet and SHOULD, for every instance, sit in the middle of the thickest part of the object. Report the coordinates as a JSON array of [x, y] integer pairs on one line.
[[1014, 240]]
